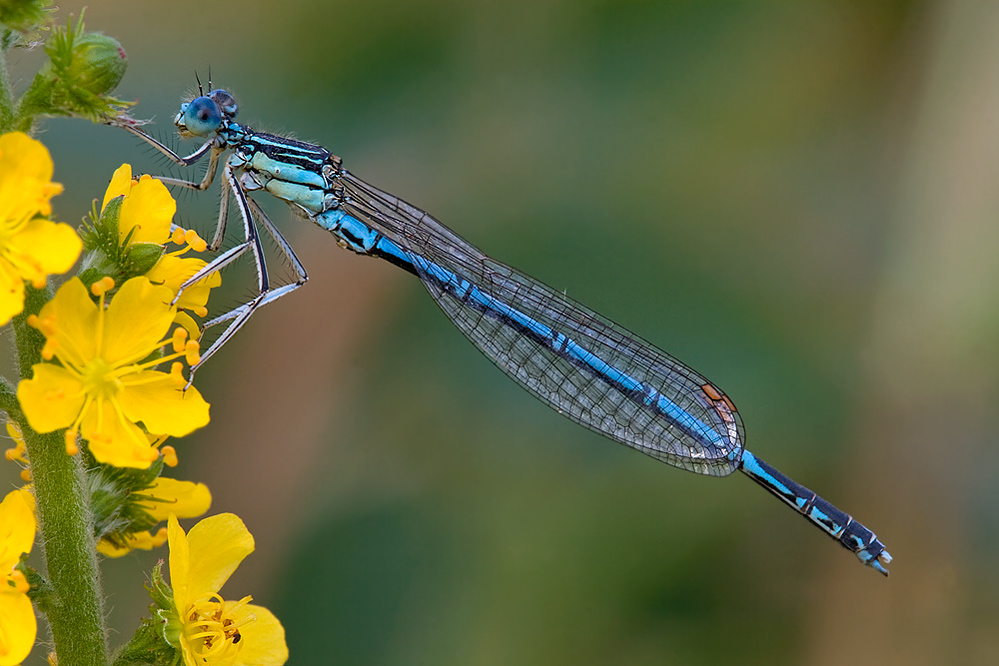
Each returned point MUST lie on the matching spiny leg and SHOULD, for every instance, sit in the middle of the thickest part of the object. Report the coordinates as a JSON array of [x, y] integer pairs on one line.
[[281, 241], [239, 315], [163, 148], [213, 161], [247, 208], [209, 148]]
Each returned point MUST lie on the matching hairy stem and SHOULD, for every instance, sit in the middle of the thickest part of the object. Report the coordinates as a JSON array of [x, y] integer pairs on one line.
[[75, 614]]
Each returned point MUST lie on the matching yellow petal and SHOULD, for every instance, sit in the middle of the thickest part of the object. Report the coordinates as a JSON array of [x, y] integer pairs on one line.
[[180, 564], [121, 184], [184, 499], [187, 322], [25, 177], [52, 398], [172, 271], [11, 293], [217, 545], [22, 156], [75, 319], [153, 398], [44, 248], [262, 641], [17, 617], [137, 319], [108, 549], [115, 441], [17, 627], [17, 529], [148, 208], [143, 540]]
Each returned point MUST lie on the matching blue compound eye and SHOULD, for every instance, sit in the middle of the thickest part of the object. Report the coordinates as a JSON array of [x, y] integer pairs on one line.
[[201, 116]]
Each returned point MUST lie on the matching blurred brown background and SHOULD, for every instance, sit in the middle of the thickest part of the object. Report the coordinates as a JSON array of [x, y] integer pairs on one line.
[[798, 199]]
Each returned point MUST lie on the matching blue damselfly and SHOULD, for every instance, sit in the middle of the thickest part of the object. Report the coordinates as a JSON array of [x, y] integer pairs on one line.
[[580, 363]]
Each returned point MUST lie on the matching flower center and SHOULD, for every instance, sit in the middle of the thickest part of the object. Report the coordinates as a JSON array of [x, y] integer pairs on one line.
[[212, 630], [99, 379]]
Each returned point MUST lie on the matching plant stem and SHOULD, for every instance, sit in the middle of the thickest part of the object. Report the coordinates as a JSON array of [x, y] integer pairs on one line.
[[76, 614], [6, 98], [8, 399]]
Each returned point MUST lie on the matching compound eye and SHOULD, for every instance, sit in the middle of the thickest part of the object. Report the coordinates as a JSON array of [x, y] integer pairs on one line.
[[225, 102], [202, 116]]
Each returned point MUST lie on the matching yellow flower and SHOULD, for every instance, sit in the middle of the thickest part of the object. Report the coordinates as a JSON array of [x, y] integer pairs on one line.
[[209, 630], [184, 499], [105, 383], [17, 617], [31, 248], [147, 212]]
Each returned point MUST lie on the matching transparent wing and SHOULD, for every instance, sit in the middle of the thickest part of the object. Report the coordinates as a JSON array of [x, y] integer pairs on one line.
[[580, 363]]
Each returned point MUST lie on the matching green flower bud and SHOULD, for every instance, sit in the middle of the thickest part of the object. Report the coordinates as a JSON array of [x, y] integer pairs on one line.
[[140, 257], [83, 68], [96, 63]]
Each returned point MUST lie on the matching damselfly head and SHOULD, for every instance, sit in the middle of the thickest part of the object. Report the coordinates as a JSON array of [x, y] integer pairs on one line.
[[206, 114]]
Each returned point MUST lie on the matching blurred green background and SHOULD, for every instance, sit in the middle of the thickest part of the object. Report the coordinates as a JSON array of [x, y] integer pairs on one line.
[[798, 199]]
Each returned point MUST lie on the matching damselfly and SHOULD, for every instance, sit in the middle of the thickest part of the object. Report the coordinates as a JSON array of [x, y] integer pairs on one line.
[[580, 363]]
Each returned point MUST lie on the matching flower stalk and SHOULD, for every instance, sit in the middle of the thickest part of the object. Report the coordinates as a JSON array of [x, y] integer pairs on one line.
[[75, 612]]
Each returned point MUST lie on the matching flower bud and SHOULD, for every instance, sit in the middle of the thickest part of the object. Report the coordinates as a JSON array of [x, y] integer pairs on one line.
[[141, 257], [97, 63], [83, 68]]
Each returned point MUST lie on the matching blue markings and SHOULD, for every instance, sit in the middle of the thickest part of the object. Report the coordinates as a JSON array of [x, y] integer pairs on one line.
[[386, 249], [330, 220], [564, 346], [752, 466], [309, 198], [833, 525], [281, 169], [358, 236], [837, 524]]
